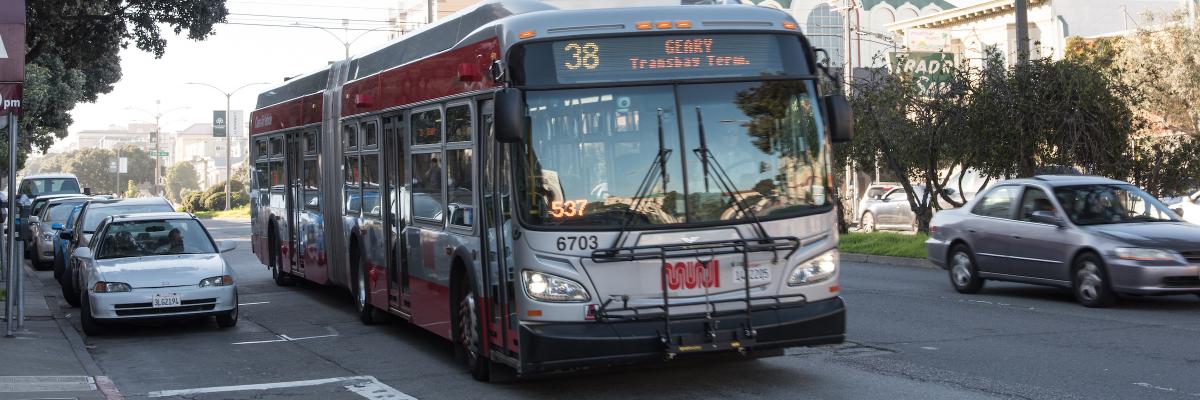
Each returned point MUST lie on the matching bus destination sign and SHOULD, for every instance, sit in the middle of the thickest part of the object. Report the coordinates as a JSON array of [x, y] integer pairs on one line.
[[666, 57]]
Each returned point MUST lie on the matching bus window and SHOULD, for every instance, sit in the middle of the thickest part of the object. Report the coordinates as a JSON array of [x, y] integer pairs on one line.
[[427, 127], [349, 137], [310, 142], [312, 184], [262, 148], [427, 186], [370, 135], [458, 123], [458, 186], [370, 184], [351, 194], [276, 147]]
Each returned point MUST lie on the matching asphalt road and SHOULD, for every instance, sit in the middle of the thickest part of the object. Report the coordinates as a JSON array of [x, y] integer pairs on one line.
[[911, 337]]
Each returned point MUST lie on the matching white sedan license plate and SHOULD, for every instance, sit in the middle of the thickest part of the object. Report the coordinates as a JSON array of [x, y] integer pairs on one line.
[[757, 274], [166, 300]]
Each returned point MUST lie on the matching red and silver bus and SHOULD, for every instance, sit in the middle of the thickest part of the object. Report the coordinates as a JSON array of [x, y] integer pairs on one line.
[[555, 188]]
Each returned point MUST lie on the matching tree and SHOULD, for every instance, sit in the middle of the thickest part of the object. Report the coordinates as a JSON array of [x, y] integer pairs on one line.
[[73, 53], [181, 177], [1162, 62], [131, 190]]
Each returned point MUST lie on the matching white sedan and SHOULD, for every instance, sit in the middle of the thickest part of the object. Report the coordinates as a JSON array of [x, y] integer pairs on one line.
[[154, 265]]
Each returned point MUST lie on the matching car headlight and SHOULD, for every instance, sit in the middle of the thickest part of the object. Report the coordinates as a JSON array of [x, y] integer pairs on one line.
[[1141, 254], [546, 287], [110, 287], [223, 280], [817, 269], [46, 237]]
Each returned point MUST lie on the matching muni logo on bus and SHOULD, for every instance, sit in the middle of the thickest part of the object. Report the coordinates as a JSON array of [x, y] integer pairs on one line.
[[693, 274]]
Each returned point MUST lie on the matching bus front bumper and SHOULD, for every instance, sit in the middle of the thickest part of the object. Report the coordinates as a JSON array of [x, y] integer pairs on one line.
[[547, 347]]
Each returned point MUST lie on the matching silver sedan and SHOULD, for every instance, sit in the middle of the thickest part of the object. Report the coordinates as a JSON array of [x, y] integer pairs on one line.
[[1097, 236], [156, 265]]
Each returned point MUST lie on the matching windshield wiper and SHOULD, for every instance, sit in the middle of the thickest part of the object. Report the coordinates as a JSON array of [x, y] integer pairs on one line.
[[656, 172], [722, 178]]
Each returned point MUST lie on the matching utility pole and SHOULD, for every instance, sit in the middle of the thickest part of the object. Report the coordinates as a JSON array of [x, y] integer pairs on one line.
[[1021, 8]]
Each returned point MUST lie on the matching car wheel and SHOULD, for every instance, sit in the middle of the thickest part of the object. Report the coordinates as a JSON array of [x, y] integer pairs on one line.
[[228, 319], [867, 222], [91, 326], [964, 275], [58, 268], [470, 334], [69, 291], [362, 302], [1090, 282]]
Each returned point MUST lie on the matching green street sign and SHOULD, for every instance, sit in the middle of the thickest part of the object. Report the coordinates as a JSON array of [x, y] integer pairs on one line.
[[160, 154]]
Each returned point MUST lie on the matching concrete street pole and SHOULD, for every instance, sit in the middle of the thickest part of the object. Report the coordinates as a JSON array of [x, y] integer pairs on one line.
[[1021, 8]]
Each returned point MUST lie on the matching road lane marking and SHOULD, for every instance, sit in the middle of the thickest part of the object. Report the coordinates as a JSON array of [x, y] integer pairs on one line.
[[286, 338], [373, 389], [250, 304], [365, 385]]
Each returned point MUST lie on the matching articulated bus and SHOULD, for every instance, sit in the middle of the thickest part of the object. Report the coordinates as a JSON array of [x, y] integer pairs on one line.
[[553, 189]]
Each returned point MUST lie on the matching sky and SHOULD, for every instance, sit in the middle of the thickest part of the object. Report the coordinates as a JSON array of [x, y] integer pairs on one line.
[[239, 53]]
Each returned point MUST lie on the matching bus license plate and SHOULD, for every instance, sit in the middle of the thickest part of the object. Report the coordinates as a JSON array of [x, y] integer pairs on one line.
[[756, 274], [166, 300]]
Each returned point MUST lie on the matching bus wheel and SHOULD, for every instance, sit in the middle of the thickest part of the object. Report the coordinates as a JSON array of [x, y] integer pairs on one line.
[[470, 334], [281, 278], [366, 311]]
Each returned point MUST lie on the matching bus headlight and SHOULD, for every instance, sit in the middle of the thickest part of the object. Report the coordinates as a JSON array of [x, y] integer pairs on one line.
[[545, 287], [818, 269]]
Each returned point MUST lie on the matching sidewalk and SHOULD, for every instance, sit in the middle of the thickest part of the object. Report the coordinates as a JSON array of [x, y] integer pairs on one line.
[[46, 359]]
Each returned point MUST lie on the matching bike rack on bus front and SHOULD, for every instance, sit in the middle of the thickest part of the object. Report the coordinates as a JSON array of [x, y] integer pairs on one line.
[[708, 342]]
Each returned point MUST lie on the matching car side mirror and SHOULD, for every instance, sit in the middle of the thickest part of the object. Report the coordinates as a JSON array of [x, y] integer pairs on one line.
[[1046, 217], [65, 234], [510, 119], [33, 219], [877, 197], [82, 253], [226, 246], [56, 226], [841, 118]]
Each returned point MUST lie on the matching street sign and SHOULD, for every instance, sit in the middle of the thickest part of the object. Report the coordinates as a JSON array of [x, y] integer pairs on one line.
[[12, 55], [162, 154], [124, 165], [219, 123], [236, 123], [931, 70]]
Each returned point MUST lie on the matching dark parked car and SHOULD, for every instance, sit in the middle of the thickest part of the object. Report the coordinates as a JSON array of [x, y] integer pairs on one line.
[[1096, 236]]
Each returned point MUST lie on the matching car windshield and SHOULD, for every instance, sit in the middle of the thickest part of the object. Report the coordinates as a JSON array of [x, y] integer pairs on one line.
[[1110, 204], [154, 238], [93, 216], [38, 187], [59, 211], [590, 150]]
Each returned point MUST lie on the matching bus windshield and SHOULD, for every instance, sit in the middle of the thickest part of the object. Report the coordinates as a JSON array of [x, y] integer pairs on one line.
[[590, 150]]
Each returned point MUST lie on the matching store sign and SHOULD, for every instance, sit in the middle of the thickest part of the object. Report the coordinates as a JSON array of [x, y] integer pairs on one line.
[[927, 40], [931, 70]]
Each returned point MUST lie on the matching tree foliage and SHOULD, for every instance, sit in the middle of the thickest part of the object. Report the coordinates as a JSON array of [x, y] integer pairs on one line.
[[73, 52], [1163, 62], [181, 177]]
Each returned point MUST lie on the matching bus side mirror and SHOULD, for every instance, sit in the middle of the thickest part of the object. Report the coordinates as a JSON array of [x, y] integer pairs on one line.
[[841, 118], [510, 116]]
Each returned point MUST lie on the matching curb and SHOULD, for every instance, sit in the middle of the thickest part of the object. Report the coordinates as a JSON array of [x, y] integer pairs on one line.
[[73, 337], [889, 260]]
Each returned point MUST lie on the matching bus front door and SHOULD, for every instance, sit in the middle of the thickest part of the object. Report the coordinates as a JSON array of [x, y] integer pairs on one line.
[[497, 241]]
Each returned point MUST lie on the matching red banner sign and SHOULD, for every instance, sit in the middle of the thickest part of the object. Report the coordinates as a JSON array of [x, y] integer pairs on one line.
[[12, 54], [10, 98]]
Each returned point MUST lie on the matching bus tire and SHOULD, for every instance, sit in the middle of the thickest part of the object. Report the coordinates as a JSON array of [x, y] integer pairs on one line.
[[470, 335], [362, 297], [281, 278]]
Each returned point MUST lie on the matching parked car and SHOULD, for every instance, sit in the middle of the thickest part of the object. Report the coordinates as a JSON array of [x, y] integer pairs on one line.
[[38, 185], [25, 230], [1187, 207], [154, 265], [44, 227], [85, 225], [888, 211], [60, 244], [1096, 236]]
